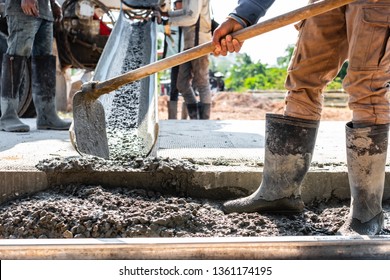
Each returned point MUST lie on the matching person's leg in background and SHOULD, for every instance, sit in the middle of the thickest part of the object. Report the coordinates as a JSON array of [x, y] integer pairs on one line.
[[43, 68], [21, 30], [201, 79], [184, 85], [173, 95]]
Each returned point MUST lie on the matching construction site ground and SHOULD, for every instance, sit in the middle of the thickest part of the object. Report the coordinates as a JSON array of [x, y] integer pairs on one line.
[[49, 191], [227, 150]]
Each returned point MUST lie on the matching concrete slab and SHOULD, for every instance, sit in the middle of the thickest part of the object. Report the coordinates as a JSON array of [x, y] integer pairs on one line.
[[240, 142], [22, 151]]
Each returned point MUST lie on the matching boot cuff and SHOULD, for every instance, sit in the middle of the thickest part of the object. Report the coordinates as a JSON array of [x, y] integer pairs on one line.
[[369, 130], [373, 139], [275, 118]]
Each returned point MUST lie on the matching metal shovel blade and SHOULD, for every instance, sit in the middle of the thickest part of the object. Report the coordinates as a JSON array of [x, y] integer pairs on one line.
[[89, 126]]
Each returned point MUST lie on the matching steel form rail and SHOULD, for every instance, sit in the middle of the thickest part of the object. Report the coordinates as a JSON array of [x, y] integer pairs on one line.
[[262, 248]]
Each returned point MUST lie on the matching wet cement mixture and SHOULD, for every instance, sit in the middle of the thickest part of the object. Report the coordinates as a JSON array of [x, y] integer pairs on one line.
[[86, 211], [125, 163], [125, 111], [95, 212]]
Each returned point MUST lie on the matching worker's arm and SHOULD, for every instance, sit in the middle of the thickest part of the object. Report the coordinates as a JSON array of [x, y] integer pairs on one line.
[[247, 13], [186, 16], [57, 10], [252, 10]]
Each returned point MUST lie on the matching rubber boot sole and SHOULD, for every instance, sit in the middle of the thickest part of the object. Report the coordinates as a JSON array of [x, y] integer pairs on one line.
[[47, 127], [354, 227], [283, 205], [15, 128]]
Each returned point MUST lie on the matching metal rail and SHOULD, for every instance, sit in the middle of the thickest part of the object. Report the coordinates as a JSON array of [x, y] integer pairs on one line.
[[262, 248]]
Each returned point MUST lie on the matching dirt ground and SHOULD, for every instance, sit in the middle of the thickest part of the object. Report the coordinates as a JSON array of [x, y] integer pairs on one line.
[[247, 106]]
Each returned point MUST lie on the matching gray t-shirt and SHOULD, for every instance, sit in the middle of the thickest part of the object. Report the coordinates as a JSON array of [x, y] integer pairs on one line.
[[252, 10], [12, 7]]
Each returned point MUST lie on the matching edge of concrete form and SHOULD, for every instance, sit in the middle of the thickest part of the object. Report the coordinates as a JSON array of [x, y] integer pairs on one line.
[[235, 248]]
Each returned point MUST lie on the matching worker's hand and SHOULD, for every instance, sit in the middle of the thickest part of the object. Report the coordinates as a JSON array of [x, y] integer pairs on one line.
[[30, 7], [160, 15], [57, 10], [223, 41], [156, 16]]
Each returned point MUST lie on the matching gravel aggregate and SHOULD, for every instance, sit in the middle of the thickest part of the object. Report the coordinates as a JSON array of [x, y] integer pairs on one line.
[[76, 211]]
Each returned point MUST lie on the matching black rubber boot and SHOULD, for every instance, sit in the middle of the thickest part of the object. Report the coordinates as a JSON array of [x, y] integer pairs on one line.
[[44, 89], [192, 110], [172, 110], [289, 145], [11, 78], [366, 159], [204, 110], [1, 67]]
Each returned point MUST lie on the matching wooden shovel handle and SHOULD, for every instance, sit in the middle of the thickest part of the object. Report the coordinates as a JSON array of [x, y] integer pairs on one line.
[[96, 89]]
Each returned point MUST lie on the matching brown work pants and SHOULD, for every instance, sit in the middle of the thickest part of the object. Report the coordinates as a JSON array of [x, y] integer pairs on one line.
[[358, 32]]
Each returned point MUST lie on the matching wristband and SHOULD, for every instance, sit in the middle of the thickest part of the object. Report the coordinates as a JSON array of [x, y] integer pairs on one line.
[[238, 19]]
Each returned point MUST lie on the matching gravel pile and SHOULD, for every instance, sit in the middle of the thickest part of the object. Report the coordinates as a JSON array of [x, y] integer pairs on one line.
[[95, 212]]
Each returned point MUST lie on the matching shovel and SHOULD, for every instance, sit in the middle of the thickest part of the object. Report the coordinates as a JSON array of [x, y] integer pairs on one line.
[[88, 113]]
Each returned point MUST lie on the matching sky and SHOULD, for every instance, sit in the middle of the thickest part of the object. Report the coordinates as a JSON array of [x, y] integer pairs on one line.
[[269, 46]]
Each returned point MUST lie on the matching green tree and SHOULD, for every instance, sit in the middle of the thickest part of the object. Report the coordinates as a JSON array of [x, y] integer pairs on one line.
[[243, 74], [283, 61], [337, 83]]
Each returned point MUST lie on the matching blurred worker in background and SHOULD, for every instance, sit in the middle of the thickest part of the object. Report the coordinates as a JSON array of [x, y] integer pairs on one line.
[[357, 32], [195, 20], [173, 44], [30, 28]]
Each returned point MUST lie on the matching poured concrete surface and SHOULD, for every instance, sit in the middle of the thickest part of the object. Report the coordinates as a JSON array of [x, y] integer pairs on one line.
[[22, 151], [239, 141], [228, 156]]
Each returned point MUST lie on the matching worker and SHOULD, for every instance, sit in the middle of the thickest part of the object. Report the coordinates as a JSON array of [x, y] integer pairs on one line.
[[30, 28], [173, 44], [357, 32], [195, 20]]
